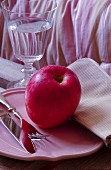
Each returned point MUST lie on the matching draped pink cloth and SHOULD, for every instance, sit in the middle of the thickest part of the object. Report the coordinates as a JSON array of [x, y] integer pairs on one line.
[[82, 28]]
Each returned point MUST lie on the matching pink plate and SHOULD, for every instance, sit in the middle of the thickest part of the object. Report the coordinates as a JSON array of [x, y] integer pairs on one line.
[[70, 140]]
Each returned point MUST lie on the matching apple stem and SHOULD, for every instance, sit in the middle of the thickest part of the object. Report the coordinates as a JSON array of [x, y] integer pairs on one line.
[[59, 79]]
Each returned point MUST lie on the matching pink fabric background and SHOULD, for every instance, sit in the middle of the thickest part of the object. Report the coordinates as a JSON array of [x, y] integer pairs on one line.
[[82, 28]]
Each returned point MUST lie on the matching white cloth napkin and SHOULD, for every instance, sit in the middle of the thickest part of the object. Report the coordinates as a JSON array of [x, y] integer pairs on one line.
[[94, 110], [106, 67]]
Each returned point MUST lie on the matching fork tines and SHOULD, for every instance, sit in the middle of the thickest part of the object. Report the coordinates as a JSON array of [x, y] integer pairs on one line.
[[37, 136]]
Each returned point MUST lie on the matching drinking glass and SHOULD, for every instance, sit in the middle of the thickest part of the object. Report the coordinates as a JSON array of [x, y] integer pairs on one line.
[[29, 23]]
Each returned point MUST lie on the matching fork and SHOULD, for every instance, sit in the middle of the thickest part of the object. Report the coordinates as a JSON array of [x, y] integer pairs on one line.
[[37, 136], [27, 132]]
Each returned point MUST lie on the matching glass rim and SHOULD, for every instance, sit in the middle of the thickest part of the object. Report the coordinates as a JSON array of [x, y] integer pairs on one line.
[[35, 13]]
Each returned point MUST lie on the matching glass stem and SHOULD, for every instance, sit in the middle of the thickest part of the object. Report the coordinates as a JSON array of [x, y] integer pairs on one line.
[[28, 70]]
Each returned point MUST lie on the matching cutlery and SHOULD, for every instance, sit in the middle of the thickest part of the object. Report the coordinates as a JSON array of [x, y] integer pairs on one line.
[[21, 130]]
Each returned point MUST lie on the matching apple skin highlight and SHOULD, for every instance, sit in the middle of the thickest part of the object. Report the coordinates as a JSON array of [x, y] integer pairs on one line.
[[52, 96]]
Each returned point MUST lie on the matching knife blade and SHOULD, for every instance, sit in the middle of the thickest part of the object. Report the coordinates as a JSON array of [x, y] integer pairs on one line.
[[18, 133], [17, 126]]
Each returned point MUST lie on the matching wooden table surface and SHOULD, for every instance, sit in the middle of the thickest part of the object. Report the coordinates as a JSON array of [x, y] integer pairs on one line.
[[101, 160]]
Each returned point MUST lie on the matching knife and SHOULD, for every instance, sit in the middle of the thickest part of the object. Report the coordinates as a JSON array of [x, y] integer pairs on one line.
[[21, 130]]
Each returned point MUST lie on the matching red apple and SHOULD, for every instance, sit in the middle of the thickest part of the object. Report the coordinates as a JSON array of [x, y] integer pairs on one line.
[[52, 95]]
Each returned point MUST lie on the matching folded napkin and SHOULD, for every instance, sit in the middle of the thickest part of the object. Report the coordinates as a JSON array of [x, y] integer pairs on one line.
[[106, 67], [94, 110]]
